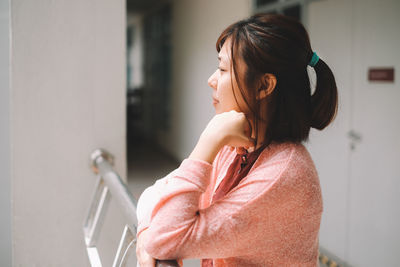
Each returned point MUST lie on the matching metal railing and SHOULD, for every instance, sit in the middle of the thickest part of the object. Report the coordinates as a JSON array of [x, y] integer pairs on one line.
[[110, 184]]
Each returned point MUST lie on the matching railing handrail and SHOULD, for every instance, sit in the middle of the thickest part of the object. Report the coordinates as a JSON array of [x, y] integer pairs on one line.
[[110, 184]]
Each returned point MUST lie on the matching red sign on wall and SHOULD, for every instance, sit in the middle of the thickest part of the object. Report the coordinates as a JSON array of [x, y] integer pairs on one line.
[[381, 74]]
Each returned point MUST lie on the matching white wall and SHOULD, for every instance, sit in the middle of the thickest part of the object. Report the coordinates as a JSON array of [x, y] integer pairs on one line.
[[360, 186], [5, 175], [331, 38], [67, 98], [196, 26]]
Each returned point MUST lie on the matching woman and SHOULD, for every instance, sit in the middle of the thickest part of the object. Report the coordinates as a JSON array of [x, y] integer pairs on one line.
[[249, 193]]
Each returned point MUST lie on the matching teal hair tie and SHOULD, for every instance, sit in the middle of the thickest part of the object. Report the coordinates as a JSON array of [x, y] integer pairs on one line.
[[314, 60]]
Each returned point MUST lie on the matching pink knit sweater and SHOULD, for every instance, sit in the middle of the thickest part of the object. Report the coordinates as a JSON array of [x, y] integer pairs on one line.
[[271, 218]]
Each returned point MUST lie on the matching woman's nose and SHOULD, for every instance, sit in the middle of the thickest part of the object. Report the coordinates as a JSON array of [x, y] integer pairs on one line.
[[212, 81]]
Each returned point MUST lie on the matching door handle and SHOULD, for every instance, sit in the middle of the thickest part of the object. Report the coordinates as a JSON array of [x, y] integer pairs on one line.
[[355, 138]]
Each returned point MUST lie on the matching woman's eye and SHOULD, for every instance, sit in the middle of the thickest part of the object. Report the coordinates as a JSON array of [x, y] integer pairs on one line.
[[221, 69]]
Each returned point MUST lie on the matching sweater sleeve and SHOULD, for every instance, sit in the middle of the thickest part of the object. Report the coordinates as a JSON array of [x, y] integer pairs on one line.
[[229, 227], [152, 195], [148, 199]]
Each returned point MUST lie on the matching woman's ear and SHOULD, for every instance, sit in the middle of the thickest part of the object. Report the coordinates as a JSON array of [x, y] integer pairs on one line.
[[267, 86]]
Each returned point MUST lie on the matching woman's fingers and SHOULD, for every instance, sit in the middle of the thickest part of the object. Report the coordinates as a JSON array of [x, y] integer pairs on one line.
[[241, 150], [230, 128], [247, 143]]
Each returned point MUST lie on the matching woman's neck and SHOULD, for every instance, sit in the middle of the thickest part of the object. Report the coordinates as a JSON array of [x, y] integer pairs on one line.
[[262, 128]]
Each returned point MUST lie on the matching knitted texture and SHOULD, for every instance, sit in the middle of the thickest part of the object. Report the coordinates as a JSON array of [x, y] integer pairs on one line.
[[271, 218]]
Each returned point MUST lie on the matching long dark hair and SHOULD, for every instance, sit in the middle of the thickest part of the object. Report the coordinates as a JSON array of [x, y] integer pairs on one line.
[[277, 44]]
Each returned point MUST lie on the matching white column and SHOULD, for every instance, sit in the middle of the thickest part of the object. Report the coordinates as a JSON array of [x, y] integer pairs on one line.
[[68, 98], [5, 175]]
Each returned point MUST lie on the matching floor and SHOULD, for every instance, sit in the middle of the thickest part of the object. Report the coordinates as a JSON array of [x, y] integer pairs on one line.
[[146, 164]]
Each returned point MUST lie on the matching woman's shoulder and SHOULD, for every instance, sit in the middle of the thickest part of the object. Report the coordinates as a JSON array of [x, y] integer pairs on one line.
[[276, 158], [288, 167], [286, 151], [291, 157]]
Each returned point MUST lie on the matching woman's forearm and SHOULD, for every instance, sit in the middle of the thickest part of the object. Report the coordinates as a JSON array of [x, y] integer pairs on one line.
[[228, 128], [206, 149]]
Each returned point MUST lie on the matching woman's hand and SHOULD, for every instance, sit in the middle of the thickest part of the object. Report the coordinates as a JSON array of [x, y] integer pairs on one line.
[[144, 259], [229, 128]]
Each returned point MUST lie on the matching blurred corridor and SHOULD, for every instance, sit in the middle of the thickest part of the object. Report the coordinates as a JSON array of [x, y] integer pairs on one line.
[[146, 164]]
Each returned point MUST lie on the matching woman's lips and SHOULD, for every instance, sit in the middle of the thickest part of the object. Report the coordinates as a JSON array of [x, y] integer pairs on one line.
[[215, 101]]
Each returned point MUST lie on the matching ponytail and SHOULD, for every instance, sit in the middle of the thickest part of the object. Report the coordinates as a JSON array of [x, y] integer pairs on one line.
[[324, 101]]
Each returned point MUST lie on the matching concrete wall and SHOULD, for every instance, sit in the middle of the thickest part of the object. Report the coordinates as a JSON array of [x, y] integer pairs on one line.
[[195, 28], [67, 98], [5, 170]]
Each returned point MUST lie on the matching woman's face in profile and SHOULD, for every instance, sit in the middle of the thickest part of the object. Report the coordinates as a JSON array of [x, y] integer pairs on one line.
[[221, 83]]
